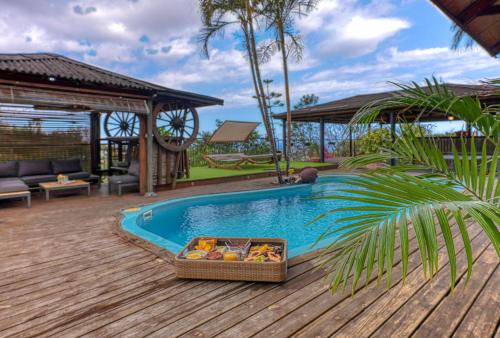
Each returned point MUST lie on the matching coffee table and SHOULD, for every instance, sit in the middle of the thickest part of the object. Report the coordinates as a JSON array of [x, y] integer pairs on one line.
[[23, 194], [70, 185]]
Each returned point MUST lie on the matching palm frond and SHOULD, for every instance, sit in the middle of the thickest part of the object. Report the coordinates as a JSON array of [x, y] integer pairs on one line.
[[403, 202]]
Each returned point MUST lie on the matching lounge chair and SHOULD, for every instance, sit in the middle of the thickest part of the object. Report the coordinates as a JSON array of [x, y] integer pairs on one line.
[[225, 161], [130, 179], [261, 158]]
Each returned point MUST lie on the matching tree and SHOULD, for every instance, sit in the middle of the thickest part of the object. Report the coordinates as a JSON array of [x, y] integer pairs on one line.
[[305, 134], [280, 16], [307, 100], [393, 201], [216, 16]]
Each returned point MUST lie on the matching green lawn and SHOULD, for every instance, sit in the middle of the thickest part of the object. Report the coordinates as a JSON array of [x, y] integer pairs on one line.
[[201, 173]]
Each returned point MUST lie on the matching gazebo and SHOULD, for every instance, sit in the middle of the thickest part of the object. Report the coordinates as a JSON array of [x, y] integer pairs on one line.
[[341, 111], [54, 90]]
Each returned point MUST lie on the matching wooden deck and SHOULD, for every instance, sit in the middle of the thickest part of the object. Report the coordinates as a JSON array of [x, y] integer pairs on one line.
[[64, 273]]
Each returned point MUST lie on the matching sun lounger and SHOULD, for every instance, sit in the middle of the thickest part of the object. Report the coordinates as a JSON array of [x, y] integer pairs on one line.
[[261, 159], [227, 161]]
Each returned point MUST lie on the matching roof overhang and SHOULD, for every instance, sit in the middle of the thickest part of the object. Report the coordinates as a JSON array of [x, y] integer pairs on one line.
[[480, 19]]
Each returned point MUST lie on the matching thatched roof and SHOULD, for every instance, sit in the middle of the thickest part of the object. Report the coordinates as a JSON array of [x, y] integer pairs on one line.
[[479, 18], [341, 111]]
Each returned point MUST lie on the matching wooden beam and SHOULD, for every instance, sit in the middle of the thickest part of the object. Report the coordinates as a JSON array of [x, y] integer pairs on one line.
[[475, 9], [95, 142], [143, 158], [492, 10]]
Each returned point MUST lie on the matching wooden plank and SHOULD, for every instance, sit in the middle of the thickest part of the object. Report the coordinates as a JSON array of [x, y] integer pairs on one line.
[[247, 297], [91, 302], [445, 318], [166, 311], [480, 321], [407, 319], [143, 172], [426, 294], [313, 310]]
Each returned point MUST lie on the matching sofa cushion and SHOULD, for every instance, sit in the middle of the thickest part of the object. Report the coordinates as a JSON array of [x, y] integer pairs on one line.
[[66, 166], [8, 169], [133, 169], [13, 184], [123, 179], [33, 180], [34, 167], [81, 175]]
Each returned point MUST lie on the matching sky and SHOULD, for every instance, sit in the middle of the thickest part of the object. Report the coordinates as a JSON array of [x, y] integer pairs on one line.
[[350, 47]]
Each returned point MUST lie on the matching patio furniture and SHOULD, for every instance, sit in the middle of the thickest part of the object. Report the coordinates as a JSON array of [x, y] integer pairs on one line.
[[130, 179], [261, 158], [225, 161], [28, 174], [70, 185], [17, 194], [235, 131]]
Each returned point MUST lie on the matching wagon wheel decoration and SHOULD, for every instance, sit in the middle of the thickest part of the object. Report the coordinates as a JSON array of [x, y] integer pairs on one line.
[[175, 126], [121, 124]]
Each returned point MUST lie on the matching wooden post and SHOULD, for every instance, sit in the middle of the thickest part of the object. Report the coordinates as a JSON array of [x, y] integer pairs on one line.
[[149, 152], [392, 121], [143, 184], [322, 140], [95, 142]]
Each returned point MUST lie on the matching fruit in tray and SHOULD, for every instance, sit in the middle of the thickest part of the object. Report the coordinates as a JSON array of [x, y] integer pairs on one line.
[[264, 253], [214, 255], [196, 254], [207, 244]]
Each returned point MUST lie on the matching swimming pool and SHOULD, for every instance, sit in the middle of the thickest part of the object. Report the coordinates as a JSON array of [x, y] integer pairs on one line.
[[280, 212]]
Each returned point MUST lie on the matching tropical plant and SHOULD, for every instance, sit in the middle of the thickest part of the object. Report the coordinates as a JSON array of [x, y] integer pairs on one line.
[[374, 140], [216, 16], [280, 17], [392, 201]]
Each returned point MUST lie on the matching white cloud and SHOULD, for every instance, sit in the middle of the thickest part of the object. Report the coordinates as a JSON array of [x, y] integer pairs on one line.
[[349, 28], [92, 27], [396, 65]]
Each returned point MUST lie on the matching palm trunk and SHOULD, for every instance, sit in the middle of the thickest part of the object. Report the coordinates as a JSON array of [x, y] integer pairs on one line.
[[287, 98], [259, 87]]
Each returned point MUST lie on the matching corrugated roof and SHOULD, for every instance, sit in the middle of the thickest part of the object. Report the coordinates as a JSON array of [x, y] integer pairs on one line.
[[47, 65], [345, 108]]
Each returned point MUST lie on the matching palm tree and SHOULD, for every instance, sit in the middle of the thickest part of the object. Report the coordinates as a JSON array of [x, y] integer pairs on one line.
[[393, 201], [216, 16], [280, 16]]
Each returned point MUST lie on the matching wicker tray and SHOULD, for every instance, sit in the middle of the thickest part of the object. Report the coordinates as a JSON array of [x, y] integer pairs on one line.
[[233, 270]]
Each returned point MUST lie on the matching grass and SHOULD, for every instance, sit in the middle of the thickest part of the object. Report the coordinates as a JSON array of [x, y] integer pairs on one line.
[[202, 173]]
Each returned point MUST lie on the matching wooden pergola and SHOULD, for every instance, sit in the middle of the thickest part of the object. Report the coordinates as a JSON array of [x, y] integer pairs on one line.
[[54, 82], [479, 18], [341, 111]]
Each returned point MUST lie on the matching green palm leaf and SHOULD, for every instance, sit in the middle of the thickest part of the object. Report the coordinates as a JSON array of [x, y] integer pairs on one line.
[[403, 202]]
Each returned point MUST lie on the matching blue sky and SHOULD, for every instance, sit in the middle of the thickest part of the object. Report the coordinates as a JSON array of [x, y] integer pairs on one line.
[[351, 47]]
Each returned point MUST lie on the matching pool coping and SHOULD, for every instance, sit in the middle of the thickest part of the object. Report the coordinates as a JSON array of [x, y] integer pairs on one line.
[[169, 256]]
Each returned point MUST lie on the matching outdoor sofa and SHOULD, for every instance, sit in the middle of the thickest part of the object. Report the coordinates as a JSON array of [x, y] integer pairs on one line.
[[23, 176]]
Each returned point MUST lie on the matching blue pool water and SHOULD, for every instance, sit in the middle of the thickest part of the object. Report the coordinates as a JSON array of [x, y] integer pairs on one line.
[[282, 212]]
